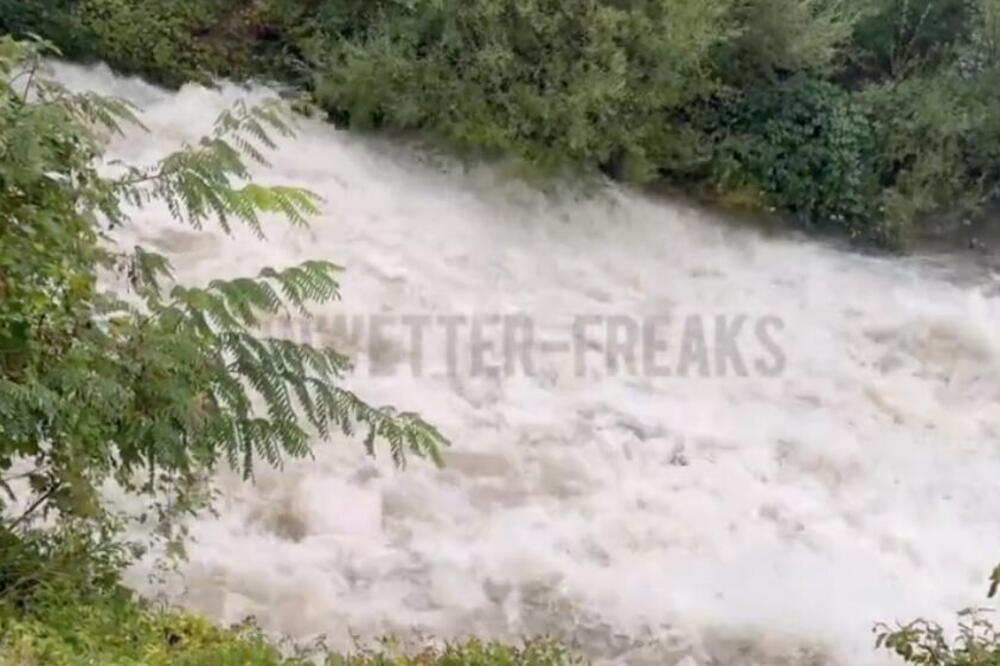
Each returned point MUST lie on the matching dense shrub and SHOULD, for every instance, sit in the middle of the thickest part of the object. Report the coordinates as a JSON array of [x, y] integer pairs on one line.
[[897, 38], [806, 146], [55, 19], [938, 157], [170, 41], [772, 39], [158, 37], [744, 94], [162, 39], [552, 81]]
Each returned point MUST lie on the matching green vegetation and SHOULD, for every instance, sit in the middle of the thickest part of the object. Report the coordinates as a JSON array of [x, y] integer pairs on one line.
[[71, 618], [925, 643], [874, 118]]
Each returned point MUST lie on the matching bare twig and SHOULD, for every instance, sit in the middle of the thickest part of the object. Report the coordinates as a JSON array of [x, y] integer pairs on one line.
[[41, 499]]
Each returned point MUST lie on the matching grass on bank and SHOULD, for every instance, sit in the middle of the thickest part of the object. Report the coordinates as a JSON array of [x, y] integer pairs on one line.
[[123, 632]]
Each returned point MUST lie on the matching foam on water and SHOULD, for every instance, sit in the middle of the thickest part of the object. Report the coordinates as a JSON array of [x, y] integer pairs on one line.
[[740, 520]]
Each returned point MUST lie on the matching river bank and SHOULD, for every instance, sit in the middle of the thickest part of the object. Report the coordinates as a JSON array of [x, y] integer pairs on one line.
[[856, 119]]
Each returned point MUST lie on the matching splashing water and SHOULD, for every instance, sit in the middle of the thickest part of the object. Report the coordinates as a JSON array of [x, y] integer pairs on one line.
[[695, 520]]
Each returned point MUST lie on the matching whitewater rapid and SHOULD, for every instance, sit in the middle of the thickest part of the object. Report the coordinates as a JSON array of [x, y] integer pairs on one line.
[[767, 519]]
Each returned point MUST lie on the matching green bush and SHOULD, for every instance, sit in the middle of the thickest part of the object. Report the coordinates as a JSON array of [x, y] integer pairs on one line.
[[773, 39], [898, 38], [163, 39], [925, 643], [921, 642], [583, 82], [168, 41], [55, 19], [938, 158], [806, 146]]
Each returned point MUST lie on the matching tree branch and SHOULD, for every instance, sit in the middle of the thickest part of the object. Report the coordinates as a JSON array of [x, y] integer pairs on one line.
[[34, 506]]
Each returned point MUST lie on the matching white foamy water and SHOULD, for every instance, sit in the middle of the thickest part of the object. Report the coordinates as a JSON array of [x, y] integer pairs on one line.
[[726, 520]]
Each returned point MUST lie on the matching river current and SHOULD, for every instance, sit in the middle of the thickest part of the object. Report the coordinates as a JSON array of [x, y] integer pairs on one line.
[[662, 508]]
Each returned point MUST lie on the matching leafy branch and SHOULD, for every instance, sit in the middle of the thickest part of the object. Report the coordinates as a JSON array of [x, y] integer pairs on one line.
[[153, 394]]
